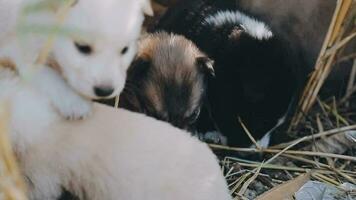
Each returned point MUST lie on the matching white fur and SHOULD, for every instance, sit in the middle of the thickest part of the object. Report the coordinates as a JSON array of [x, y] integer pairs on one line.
[[109, 25], [253, 27], [98, 23], [8, 15], [114, 154], [215, 137]]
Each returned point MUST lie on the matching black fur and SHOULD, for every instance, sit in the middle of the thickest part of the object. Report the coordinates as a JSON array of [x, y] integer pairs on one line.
[[256, 80]]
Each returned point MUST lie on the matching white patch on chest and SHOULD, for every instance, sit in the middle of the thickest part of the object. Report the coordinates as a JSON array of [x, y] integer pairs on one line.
[[253, 27]]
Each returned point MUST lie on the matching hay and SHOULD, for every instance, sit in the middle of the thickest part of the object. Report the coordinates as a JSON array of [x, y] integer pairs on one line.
[[12, 186], [334, 41]]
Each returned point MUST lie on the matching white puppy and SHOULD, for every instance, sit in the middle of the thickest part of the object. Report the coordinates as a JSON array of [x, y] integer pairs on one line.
[[129, 157], [114, 154], [93, 53]]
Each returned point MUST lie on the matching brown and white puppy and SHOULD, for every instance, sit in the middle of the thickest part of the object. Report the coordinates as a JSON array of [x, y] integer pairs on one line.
[[167, 80]]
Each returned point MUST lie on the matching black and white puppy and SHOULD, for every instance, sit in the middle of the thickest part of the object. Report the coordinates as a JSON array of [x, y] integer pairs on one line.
[[256, 68]]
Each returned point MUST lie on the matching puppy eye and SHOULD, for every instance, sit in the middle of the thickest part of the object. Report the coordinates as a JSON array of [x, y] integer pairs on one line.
[[124, 50], [83, 48]]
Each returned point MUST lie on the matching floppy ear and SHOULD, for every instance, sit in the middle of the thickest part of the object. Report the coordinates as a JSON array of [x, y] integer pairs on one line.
[[147, 7], [206, 65]]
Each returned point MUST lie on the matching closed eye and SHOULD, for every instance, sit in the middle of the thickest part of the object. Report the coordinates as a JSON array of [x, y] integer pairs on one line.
[[83, 48], [124, 50]]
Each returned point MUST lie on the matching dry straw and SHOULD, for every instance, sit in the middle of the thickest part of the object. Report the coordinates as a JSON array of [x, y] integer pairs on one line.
[[334, 41], [12, 186]]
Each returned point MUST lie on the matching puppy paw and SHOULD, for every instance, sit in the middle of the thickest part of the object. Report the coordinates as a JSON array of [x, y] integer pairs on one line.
[[74, 108], [214, 138], [64, 99]]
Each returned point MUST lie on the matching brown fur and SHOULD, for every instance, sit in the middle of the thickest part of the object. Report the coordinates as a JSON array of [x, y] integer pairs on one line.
[[166, 80], [7, 63], [52, 63]]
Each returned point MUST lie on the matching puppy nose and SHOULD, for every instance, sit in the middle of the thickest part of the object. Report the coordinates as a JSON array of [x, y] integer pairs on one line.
[[103, 91]]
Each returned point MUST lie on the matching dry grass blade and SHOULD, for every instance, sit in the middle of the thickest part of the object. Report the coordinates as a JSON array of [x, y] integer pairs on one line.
[[315, 136], [284, 150], [250, 180], [348, 95], [325, 60], [61, 16], [293, 152], [325, 179], [249, 134], [117, 101], [351, 82], [351, 88], [290, 169], [239, 182], [12, 186], [339, 45], [318, 164], [337, 144]]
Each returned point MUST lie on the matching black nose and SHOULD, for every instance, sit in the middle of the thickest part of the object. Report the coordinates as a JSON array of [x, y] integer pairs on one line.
[[103, 91]]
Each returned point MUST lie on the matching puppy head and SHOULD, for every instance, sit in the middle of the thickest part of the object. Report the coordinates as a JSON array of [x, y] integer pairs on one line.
[[94, 59], [167, 80], [260, 58]]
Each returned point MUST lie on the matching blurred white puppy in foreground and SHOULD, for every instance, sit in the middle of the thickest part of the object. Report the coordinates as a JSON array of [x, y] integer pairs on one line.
[[114, 154], [92, 50]]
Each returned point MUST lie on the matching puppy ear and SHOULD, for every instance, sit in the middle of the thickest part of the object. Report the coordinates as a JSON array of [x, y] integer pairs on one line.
[[206, 65], [147, 7], [236, 32]]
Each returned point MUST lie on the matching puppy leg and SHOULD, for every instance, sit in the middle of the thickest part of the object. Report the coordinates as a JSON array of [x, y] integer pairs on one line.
[[66, 101]]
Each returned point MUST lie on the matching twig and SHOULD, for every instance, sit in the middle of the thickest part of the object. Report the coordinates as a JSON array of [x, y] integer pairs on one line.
[[11, 183], [61, 16], [348, 57], [326, 133], [250, 180], [336, 114], [292, 169], [239, 182], [304, 153], [339, 45], [117, 100], [347, 96], [284, 150], [351, 82], [249, 134], [324, 178], [324, 63]]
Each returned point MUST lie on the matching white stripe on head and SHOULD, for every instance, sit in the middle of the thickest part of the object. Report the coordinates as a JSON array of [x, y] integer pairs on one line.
[[253, 27]]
